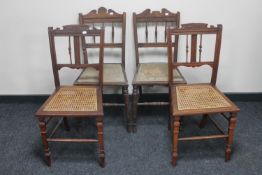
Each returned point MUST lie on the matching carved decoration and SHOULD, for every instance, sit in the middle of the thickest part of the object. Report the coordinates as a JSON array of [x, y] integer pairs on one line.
[[74, 29], [195, 25], [102, 12], [163, 13], [77, 27]]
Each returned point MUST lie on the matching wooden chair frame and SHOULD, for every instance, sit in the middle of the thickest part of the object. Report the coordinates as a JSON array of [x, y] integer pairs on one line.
[[45, 116], [103, 15], [148, 16], [193, 30]]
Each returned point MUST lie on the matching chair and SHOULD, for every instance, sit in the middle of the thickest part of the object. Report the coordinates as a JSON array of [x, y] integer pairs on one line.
[[203, 98], [152, 73], [73, 101], [114, 72]]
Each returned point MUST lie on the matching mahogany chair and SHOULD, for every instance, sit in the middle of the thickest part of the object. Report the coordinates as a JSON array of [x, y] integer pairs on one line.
[[73, 101], [152, 73], [204, 98], [114, 72]]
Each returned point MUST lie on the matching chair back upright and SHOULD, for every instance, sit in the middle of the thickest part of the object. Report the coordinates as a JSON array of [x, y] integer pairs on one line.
[[74, 61], [194, 34], [109, 20], [163, 18]]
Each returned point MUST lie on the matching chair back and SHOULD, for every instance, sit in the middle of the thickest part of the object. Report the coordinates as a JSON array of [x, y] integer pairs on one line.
[[155, 19], [75, 33], [194, 34], [111, 21]]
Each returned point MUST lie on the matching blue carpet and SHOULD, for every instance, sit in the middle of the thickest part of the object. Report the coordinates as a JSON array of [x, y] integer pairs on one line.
[[146, 152]]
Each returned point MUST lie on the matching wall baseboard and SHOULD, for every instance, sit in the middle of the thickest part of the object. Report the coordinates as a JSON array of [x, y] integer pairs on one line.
[[245, 97], [237, 97]]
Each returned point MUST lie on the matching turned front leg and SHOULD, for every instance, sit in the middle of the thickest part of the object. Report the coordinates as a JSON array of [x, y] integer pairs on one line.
[[42, 125], [175, 127], [170, 116], [100, 133], [231, 127]]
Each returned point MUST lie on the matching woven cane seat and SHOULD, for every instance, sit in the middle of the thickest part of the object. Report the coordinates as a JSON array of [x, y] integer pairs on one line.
[[201, 97], [73, 98], [156, 72], [112, 73]]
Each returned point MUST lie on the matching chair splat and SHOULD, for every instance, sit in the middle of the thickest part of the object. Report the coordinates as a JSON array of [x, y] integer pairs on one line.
[[69, 49]]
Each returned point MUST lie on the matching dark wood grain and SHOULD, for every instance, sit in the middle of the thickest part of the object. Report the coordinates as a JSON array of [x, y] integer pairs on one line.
[[77, 32], [163, 18], [103, 15], [230, 111]]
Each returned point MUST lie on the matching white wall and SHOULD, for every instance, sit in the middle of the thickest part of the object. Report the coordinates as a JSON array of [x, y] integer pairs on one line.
[[25, 64]]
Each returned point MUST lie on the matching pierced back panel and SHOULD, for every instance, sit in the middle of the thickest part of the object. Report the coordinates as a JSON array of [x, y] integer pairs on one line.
[[195, 34], [158, 22], [114, 25], [72, 34]]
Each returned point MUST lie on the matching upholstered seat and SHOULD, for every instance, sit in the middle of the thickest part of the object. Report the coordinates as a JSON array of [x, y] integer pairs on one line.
[[156, 72], [203, 97], [113, 73]]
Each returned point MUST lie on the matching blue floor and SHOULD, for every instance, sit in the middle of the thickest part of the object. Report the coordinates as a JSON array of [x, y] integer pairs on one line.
[[146, 152]]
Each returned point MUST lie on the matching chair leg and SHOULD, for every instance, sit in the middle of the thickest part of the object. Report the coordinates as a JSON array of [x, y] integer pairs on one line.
[[172, 123], [134, 106], [42, 125], [231, 127], [170, 110], [169, 121], [203, 122], [66, 124], [175, 127], [140, 91], [126, 110], [100, 133], [170, 117]]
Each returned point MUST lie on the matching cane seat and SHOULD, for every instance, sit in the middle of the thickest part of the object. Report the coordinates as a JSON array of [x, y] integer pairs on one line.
[[73, 98], [199, 99], [68, 102], [204, 98]]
